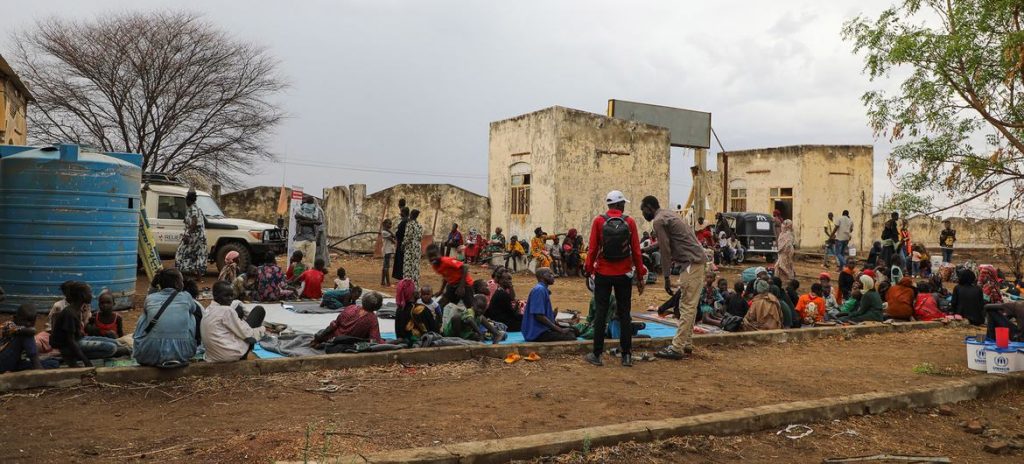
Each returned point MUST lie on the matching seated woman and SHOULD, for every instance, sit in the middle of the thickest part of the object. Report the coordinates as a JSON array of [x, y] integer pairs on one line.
[[765, 310], [271, 284], [412, 319], [968, 299], [502, 307], [926, 308], [870, 307], [571, 254], [789, 317], [354, 321], [165, 335], [901, 300], [226, 336], [474, 245], [230, 270]]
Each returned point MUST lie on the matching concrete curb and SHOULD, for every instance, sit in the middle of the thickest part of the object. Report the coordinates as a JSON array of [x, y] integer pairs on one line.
[[720, 423], [68, 377]]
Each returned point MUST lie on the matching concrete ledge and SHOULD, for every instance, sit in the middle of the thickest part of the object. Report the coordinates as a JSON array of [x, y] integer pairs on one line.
[[69, 377], [720, 423], [44, 378]]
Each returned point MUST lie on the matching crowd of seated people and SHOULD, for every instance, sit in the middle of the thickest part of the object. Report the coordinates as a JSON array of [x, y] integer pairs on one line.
[[174, 329]]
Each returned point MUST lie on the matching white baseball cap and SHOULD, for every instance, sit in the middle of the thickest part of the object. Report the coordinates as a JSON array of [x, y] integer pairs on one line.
[[615, 196]]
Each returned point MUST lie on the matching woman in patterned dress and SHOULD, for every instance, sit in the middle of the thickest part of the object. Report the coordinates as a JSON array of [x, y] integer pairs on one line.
[[191, 257], [412, 247], [784, 265]]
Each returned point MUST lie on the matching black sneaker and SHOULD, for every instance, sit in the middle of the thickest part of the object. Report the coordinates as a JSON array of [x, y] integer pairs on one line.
[[594, 359], [669, 353], [627, 360]]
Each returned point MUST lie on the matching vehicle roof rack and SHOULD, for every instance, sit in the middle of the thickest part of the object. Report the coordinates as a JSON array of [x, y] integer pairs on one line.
[[162, 178]]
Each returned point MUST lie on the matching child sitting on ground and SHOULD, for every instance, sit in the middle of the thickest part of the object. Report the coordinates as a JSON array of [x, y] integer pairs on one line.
[[312, 280], [105, 323], [341, 282], [427, 299], [811, 307], [295, 268], [338, 299], [245, 285], [17, 341], [67, 330], [462, 322]]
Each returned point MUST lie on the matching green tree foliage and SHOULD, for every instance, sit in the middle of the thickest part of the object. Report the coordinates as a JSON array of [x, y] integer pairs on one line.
[[963, 62]]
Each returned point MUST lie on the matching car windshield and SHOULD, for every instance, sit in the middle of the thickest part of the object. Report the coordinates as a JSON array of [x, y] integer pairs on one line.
[[209, 207]]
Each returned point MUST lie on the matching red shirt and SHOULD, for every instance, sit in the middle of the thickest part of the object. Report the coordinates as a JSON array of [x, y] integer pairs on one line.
[[596, 264], [314, 281], [451, 270], [355, 322]]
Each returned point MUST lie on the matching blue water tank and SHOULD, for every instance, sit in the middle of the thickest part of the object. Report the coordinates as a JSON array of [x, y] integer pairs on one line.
[[67, 215]]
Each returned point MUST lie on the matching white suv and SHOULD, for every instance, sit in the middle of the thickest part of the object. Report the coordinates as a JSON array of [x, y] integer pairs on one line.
[[164, 200]]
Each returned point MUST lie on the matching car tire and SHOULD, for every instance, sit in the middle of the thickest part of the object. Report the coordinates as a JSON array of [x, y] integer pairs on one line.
[[244, 256]]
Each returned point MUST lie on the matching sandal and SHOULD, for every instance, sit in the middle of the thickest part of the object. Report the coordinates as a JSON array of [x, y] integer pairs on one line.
[[532, 357], [512, 358]]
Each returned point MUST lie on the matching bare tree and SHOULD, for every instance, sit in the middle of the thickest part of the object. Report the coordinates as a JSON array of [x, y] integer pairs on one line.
[[1008, 231], [191, 99]]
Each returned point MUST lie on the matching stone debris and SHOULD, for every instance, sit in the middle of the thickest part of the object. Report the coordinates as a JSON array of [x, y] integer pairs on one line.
[[997, 447]]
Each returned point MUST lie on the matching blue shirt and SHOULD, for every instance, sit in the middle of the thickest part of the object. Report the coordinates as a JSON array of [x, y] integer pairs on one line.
[[174, 336], [539, 302]]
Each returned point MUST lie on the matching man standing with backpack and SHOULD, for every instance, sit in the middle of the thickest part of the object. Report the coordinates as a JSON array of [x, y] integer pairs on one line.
[[613, 255]]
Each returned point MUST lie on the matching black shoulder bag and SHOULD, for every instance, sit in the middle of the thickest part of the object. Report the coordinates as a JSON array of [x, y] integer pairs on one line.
[[156, 318]]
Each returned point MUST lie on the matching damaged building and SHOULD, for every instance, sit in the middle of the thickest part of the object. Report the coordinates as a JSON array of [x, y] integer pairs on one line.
[[552, 169], [804, 182]]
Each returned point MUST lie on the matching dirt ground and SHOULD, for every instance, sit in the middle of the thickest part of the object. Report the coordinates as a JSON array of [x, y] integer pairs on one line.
[[925, 432], [257, 419]]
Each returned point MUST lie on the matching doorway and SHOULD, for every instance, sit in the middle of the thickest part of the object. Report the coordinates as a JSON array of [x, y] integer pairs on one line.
[[782, 200]]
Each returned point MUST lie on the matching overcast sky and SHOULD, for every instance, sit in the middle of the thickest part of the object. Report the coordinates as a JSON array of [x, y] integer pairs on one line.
[[413, 85]]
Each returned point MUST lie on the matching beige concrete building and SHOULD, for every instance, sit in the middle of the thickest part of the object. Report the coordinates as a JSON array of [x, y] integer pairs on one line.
[[14, 99], [805, 182], [552, 168]]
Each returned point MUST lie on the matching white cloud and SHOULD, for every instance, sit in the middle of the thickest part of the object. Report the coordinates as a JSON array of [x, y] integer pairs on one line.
[[415, 84]]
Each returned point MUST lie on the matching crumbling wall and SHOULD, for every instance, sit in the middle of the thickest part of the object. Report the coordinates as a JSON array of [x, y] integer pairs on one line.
[[350, 211], [529, 139], [971, 233], [255, 204]]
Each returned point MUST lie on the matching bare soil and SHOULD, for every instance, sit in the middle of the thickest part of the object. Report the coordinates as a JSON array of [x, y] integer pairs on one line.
[[283, 417], [923, 432]]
